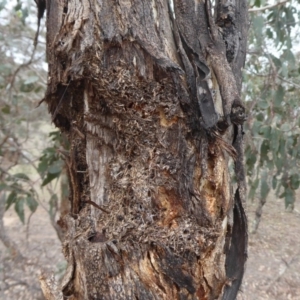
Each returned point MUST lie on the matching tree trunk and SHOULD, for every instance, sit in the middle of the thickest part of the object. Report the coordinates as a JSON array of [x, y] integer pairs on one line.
[[148, 93]]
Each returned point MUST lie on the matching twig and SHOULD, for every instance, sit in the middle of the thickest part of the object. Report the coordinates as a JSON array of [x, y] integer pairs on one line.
[[287, 265], [26, 64], [4, 141], [258, 214], [279, 77], [96, 205], [267, 7], [289, 81], [27, 228]]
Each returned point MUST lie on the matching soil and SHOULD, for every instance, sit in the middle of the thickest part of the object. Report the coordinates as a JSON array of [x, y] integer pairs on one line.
[[42, 252], [272, 269]]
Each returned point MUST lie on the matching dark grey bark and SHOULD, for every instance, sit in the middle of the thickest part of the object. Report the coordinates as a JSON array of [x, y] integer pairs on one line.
[[150, 101]]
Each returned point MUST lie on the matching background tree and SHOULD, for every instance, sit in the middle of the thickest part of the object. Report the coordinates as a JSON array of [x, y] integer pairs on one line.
[[23, 81], [24, 130], [21, 85], [148, 94], [272, 94]]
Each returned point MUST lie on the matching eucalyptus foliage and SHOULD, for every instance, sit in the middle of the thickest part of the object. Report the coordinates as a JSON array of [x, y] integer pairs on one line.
[[271, 89], [22, 85]]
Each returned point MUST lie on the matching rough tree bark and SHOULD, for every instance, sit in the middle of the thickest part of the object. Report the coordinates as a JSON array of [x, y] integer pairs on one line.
[[148, 93]]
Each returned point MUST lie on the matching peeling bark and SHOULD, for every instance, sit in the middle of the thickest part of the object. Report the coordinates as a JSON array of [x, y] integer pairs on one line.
[[149, 101]]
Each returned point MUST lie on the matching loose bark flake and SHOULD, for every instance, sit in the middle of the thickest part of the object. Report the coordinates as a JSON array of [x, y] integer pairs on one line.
[[147, 98]]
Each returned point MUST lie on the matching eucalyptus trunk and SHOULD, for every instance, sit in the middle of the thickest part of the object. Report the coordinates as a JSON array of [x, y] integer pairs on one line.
[[148, 93]]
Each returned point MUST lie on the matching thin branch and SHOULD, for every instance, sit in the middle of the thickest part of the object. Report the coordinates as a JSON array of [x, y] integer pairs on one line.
[[281, 273], [27, 228], [268, 6], [4, 141], [289, 81], [12, 81], [24, 65], [279, 77], [38, 73]]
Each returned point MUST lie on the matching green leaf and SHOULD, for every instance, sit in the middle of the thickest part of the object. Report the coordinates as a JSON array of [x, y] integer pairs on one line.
[[266, 131], [49, 178], [282, 195], [3, 186], [270, 164], [25, 14], [257, 3], [278, 100], [289, 57], [31, 79], [53, 203], [251, 160], [42, 167], [260, 117], [274, 143], [12, 198], [289, 197], [27, 88], [264, 150], [5, 69], [280, 32], [256, 127], [31, 203], [21, 176], [55, 168], [253, 188], [263, 104], [284, 182], [290, 11], [284, 70], [276, 61], [281, 149], [274, 182], [18, 6], [258, 24], [6, 109], [279, 163], [279, 185], [55, 135], [19, 208], [269, 33], [270, 15], [264, 189], [2, 4], [294, 180]]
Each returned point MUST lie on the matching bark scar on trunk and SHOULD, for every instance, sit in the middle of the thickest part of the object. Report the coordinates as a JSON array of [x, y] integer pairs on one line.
[[148, 112]]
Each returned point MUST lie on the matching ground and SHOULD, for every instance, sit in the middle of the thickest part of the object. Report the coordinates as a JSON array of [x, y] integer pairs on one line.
[[274, 254], [272, 269]]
